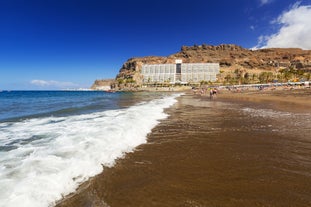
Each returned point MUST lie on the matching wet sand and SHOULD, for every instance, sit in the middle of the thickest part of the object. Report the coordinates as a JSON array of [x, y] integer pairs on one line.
[[246, 149]]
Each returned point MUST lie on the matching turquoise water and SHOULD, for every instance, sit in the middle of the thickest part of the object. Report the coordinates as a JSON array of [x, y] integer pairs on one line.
[[25, 104]]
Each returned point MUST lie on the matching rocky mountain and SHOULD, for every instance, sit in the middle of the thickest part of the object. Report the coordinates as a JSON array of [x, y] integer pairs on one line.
[[104, 84], [232, 58]]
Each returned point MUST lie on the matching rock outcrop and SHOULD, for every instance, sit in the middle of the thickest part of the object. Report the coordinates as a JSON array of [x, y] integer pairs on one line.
[[233, 55], [105, 84]]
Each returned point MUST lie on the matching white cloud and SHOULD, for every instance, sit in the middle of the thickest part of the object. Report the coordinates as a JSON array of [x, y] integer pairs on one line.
[[264, 2], [295, 29], [53, 84]]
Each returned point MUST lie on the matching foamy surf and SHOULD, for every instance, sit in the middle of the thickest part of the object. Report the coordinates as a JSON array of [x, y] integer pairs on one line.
[[44, 159]]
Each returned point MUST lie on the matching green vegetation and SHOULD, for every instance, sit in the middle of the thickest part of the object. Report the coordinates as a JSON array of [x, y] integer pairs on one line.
[[283, 75]]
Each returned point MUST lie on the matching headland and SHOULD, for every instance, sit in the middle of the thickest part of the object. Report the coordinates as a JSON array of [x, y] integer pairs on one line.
[[238, 65]]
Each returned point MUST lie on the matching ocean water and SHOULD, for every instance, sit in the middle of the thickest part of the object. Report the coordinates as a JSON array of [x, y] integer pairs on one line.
[[52, 141]]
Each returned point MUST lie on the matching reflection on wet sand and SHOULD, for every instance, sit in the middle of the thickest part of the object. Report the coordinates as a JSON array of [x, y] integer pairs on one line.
[[225, 152]]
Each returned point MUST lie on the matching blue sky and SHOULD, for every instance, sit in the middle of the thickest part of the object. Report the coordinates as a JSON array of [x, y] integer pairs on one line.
[[57, 44]]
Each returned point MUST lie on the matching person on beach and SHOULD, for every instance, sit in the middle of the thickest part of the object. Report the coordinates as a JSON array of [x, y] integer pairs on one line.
[[214, 92], [211, 93]]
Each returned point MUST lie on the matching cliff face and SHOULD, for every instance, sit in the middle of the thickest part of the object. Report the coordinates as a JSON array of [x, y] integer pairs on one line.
[[105, 84], [231, 58], [130, 72], [233, 55]]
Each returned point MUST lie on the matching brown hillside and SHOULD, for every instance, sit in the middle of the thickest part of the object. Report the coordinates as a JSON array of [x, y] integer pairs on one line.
[[230, 57]]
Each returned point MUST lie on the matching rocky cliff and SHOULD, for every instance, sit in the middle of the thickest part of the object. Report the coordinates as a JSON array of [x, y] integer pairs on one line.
[[232, 58], [104, 84]]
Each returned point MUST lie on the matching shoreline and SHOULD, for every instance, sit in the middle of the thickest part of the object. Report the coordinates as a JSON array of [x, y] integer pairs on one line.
[[191, 158], [296, 100]]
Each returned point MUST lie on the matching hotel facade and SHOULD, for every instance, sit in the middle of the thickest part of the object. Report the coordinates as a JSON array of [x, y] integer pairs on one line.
[[182, 73]]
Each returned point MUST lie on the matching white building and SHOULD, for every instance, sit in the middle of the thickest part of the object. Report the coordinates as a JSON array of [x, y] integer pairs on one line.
[[180, 72]]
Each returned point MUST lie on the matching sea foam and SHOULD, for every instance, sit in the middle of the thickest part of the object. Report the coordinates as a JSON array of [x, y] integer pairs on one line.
[[44, 159]]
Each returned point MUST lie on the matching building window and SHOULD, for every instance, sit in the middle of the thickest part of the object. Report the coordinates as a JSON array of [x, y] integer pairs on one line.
[[178, 68]]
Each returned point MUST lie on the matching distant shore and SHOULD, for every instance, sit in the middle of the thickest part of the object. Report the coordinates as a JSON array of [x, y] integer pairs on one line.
[[236, 88], [242, 148]]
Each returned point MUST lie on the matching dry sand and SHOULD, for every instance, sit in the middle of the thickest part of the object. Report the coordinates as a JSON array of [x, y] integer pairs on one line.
[[240, 149]]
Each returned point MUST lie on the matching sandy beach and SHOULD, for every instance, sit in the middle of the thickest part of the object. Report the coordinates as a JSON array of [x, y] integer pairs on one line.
[[251, 148]]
